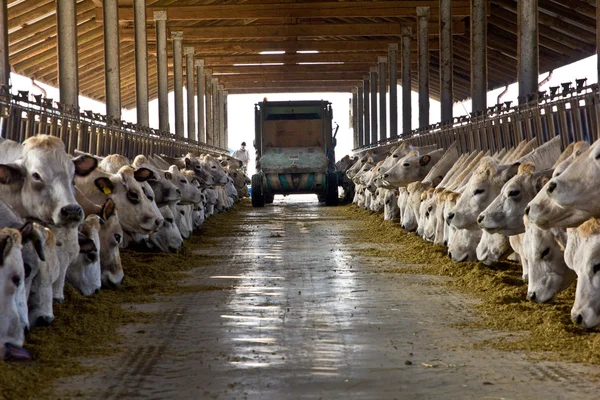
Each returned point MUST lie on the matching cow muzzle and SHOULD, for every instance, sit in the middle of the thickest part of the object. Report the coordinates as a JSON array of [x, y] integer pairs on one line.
[[71, 214]]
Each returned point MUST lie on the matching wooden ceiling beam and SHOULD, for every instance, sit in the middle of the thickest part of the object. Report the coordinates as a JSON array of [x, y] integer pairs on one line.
[[336, 76], [277, 84], [291, 90], [330, 9], [328, 46], [296, 58], [299, 30], [281, 69], [40, 9]]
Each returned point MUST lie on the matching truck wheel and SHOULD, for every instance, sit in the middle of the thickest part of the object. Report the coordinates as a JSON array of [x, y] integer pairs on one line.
[[321, 198], [331, 197], [269, 198], [258, 196]]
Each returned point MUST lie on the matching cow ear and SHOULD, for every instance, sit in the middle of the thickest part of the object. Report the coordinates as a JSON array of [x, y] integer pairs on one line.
[[86, 244], [168, 175], [188, 163], [437, 180], [11, 173], [509, 172], [143, 174], [30, 232], [104, 185], [224, 163], [424, 160], [84, 165], [6, 244], [108, 209], [541, 178]]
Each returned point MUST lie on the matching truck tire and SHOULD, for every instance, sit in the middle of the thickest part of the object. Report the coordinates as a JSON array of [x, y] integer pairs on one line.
[[258, 196], [269, 198], [331, 197]]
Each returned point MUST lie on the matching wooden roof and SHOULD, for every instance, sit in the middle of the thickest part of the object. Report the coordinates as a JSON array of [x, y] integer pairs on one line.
[[349, 34]]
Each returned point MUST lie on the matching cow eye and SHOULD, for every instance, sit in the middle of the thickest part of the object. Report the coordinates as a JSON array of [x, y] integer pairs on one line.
[[395, 156], [406, 164], [596, 268], [182, 181], [182, 212], [545, 252], [170, 220], [478, 191], [514, 193], [36, 176], [214, 167], [27, 268], [16, 280], [151, 198], [133, 197]]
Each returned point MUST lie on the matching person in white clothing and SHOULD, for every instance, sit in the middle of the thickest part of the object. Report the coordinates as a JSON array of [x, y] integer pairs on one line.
[[242, 155]]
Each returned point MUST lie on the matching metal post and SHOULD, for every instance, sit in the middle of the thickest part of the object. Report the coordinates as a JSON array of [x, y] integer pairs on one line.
[[478, 55], [68, 79], [374, 115], [225, 123], [4, 61], [393, 58], [527, 44], [215, 107], [189, 78], [221, 121], [178, 78], [382, 64], [423, 45], [112, 71], [209, 111], [360, 111], [201, 89], [354, 118], [162, 67], [367, 109], [406, 82], [598, 39], [446, 61], [141, 62]]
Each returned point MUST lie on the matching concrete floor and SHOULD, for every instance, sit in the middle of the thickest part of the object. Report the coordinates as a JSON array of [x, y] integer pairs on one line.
[[309, 320]]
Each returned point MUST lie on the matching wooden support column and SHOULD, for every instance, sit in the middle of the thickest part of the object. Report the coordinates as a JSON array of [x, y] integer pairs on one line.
[[210, 139], [374, 114], [225, 123], [393, 59], [354, 118], [527, 48], [178, 81], [361, 111], [141, 63], [201, 90], [367, 108], [162, 67], [189, 88], [382, 64], [446, 62], [406, 82], [215, 108], [68, 78], [4, 61], [423, 47], [479, 55]]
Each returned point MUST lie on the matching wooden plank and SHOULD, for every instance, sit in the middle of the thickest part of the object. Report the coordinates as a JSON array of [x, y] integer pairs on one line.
[[299, 30], [325, 75], [280, 69], [383, 9], [288, 84]]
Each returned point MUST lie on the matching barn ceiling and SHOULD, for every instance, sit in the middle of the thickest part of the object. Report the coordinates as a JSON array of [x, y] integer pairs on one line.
[[349, 35]]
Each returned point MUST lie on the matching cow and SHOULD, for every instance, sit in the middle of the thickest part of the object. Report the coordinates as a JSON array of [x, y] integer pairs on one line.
[[84, 273], [12, 282], [161, 182], [37, 179], [168, 237], [581, 255]]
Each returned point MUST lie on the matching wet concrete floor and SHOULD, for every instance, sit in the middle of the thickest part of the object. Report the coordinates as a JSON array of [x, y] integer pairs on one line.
[[308, 319]]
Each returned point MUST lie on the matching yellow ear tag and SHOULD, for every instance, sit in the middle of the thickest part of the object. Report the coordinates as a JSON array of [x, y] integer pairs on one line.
[[106, 190]]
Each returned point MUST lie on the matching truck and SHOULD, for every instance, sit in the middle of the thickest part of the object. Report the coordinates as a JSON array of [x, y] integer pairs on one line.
[[295, 143]]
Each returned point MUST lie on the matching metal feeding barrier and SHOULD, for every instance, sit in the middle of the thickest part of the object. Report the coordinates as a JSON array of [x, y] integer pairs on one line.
[[88, 132], [573, 113]]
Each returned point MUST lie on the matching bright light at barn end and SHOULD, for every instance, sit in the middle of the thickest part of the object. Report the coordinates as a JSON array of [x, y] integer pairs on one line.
[[307, 52], [272, 52]]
